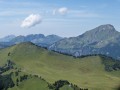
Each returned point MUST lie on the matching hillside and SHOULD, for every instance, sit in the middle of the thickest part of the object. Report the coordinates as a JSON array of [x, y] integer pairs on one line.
[[12, 78], [101, 40], [92, 72]]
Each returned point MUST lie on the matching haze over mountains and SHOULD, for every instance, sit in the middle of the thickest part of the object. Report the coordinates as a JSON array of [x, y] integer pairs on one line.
[[101, 40], [7, 38], [38, 39]]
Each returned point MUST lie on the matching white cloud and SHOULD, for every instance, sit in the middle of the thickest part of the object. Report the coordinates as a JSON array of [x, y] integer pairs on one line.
[[54, 12], [62, 11], [31, 21]]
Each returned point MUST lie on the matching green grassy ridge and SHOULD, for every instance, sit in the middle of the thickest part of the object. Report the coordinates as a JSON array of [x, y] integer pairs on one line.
[[88, 72], [37, 83], [30, 83], [14, 79], [17, 80]]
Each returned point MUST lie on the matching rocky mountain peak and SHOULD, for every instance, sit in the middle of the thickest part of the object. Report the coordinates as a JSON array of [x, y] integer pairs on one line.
[[107, 27]]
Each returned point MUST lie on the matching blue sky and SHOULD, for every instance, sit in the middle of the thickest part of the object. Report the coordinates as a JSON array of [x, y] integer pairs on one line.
[[82, 15]]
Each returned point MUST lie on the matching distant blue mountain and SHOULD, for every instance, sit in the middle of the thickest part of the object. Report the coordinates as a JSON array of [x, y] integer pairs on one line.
[[7, 38], [101, 40], [38, 39]]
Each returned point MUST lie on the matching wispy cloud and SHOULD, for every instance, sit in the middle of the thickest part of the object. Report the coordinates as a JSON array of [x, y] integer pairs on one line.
[[82, 13], [63, 10]]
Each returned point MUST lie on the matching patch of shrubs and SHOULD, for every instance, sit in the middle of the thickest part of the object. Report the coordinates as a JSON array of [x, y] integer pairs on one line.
[[110, 64], [6, 82], [7, 66], [58, 84], [24, 77]]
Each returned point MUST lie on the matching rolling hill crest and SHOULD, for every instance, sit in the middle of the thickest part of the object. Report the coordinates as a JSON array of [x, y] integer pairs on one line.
[[53, 66]]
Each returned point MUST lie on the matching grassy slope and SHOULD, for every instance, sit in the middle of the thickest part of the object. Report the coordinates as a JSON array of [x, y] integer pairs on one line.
[[31, 83], [86, 72], [66, 87]]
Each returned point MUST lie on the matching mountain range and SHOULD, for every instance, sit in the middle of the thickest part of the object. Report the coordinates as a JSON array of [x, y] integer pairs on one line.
[[7, 38], [103, 39], [38, 39]]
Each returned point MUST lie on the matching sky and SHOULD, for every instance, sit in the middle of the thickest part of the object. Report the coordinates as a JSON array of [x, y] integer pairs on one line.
[[66, 18]]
